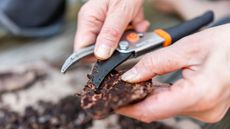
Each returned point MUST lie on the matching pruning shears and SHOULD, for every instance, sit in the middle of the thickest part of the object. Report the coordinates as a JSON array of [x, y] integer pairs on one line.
[[134, 44]]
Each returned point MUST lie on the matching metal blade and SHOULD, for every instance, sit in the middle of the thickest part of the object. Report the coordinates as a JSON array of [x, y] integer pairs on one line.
[[76, 56], [103, 68]]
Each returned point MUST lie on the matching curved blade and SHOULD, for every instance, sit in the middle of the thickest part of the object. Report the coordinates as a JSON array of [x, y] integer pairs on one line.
[[103, 68], [72, 59]]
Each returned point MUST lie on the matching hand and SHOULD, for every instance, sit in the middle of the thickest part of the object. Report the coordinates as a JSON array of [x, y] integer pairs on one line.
[[203, 92], [167, 6], [104, 21], [185, 8]]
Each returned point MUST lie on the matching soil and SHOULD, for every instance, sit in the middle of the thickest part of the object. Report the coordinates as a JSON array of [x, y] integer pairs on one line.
[[127, 123], [113, 94], [66, 114]]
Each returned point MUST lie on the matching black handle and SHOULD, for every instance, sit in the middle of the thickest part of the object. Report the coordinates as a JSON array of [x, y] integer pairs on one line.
[[190, 27]]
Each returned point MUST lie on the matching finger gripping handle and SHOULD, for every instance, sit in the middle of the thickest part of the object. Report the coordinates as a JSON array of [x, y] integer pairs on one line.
[[190, 27]]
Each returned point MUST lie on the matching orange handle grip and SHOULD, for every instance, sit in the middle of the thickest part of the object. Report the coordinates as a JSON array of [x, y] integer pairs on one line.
[[165, 35]]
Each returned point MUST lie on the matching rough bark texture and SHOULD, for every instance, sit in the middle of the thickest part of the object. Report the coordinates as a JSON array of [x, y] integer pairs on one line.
[[113, 94]]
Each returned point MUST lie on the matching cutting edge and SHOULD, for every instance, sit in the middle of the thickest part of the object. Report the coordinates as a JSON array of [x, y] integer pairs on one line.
[[102, 68], [76, 56]]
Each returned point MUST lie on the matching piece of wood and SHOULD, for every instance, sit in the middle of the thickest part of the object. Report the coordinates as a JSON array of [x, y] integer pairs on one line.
[[113, 94], [21, 77]]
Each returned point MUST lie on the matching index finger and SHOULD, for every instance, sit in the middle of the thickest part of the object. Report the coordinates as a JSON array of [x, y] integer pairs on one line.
[[90, 21]]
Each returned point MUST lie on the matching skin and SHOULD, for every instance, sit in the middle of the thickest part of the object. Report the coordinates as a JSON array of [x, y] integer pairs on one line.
[[103, 22], [185, 8], [203, 92]]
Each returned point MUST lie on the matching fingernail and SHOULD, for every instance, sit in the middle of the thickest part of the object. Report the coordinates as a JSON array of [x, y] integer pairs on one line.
[[103, 51], [130, 76]]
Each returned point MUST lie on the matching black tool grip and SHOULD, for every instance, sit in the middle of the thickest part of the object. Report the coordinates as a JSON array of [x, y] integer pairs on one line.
[[190, 27]]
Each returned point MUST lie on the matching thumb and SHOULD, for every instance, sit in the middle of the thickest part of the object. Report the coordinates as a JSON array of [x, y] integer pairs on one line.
[[119, 15], [89, 24], [110, 34], [158, 62]]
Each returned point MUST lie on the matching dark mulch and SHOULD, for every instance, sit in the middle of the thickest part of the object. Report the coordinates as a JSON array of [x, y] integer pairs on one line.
[[65, 114]]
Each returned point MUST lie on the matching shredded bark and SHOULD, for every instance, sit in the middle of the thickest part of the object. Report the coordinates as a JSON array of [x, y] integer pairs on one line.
[[113, 94]]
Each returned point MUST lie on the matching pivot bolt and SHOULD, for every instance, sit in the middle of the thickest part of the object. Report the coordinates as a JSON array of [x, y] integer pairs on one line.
[[123, 45]]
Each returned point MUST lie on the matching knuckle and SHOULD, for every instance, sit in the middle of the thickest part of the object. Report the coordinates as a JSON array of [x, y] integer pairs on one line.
[[111, 31], [149, 60], [89, 19], [111, 34], [146, 63], [128, 8], [153, 63]]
